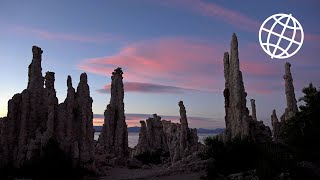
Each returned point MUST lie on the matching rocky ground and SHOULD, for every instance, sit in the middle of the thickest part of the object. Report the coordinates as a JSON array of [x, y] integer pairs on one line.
[[154, 173]]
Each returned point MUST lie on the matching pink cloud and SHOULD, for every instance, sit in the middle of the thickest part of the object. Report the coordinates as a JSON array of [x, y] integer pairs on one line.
[[61, 36], [175, 65], [312, 37], [258, 68], [177, 62]]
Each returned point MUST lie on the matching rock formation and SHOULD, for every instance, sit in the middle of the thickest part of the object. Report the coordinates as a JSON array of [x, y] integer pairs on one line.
[[238, 122], [165, 136], [152, 137], [292, 107], [172, 133], [143, 145], [114, 134], [253, 109], [276, 125], [188, 137], [35, 117]]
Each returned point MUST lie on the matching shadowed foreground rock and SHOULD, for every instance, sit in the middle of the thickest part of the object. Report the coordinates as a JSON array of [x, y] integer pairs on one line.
[[35, 118], [238, 122]]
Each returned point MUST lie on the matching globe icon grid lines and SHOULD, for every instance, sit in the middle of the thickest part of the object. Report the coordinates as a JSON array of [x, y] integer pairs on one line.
[[296, 27]]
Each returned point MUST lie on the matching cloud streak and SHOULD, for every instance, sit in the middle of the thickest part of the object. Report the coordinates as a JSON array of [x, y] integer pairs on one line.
[[172, 62], [147, 88]]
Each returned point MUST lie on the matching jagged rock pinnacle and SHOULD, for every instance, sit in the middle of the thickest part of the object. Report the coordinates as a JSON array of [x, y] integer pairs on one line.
[[114, 134], [35, 70], [292, 107], [276, 125], [237, 119], [253, 109], [69, 82]]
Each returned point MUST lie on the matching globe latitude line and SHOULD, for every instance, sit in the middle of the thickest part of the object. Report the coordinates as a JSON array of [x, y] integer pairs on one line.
[[290, 27], [273, 45], [279, 40], [271, 29], [293, 36], [283, 37]]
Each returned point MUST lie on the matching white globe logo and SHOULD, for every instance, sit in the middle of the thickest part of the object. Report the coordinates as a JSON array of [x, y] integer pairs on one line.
[[285, 40]]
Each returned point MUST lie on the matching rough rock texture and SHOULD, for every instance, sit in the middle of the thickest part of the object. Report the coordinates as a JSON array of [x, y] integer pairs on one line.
[[184, 129], [172, 133], [114, 135], [165, 136], [292, 107], [276, 125], [237, 114], [35, 117], [143, 145], [152, 137], [238, 122], [253, 109]]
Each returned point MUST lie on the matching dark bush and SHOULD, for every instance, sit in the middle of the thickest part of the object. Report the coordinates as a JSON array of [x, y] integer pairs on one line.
[[153, 157]]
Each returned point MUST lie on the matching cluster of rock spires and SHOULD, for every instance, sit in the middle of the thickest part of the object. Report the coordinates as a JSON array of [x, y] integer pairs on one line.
[[291, 108], [239, 124], [35, 117], [238, 121], [165, 137]]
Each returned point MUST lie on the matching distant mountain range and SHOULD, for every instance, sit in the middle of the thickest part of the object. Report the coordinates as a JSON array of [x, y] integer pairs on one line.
[[200, 130]]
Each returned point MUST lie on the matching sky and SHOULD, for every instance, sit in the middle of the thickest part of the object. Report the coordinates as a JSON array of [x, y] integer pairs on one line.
[[170, 50]]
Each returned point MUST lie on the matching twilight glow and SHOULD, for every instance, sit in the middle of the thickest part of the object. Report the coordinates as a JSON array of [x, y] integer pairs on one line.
[[170, 50]]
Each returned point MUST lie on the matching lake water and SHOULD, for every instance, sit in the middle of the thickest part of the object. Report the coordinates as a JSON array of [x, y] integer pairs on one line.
[[134, 137]]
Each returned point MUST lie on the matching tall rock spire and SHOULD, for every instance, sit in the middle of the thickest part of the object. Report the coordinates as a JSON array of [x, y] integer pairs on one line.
[[292, 107], [238, 122], [253, 109], [234, 93], [114, 134], [184, 128], [35, 69]]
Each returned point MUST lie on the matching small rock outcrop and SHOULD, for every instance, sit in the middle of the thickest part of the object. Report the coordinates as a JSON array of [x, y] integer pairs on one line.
[[276, 125], [114, 135], [238, 122], [35, 118], [151, 137], [188, 137], [292, 107], [164, 136], [253, 109]]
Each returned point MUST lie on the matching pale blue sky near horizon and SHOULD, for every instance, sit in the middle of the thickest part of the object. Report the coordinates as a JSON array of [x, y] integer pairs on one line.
[[165, 49]]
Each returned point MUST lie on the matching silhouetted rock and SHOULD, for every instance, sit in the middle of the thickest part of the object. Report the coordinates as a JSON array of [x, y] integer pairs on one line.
[[238, 122], [164, 136], [253, 109], [292, 107], [143, 145], [114, 135], [276, 125], [35, 118]]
